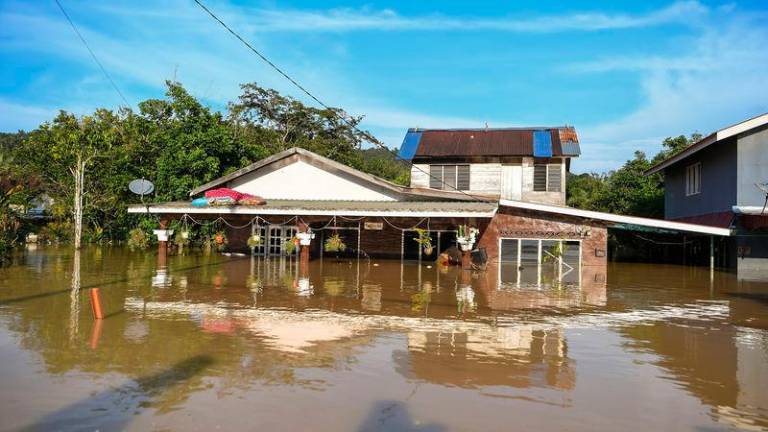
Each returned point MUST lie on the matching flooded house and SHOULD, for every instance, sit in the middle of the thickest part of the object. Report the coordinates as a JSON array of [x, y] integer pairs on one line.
[[722, 181], [499, 193]]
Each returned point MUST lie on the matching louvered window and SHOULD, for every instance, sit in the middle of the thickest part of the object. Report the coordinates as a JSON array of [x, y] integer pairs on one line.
[[547, 177], [449, 177]]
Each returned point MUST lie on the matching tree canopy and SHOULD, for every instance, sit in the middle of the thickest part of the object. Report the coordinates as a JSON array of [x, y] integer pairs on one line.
[[179, 143], [627, 190]]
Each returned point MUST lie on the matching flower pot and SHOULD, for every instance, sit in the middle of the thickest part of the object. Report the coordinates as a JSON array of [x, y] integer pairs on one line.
[[428, 250]]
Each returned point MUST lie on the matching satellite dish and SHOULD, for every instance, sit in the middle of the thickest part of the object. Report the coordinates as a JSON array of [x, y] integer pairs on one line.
[[141, 187], [764, 189]]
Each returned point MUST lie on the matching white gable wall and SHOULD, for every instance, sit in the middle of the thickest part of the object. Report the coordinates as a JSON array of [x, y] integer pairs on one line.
[[302, 181]]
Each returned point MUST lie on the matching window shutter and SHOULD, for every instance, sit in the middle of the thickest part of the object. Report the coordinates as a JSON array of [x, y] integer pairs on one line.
[[449, 177], [554, 177], [462, 177], [436, 176], [540, 178]]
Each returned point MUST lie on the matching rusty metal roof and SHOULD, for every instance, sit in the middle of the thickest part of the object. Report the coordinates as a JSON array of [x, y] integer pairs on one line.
[[487, 142]]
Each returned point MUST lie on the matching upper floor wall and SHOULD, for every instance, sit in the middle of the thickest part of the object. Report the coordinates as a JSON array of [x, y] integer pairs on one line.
[[703, 183], [522, 179], [752, 167], [720, 176]]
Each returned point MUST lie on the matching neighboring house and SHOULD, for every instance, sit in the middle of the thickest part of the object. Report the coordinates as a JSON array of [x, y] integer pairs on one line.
[[717, 182], [520, 164]]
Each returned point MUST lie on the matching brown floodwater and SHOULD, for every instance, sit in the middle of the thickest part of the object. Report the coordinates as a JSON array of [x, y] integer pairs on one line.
[[234, 343]]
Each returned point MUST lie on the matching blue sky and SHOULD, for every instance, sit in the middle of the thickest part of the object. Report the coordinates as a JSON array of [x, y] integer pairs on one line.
[[625, 74]]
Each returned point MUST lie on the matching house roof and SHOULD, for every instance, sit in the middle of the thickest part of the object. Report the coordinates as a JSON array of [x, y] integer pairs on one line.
[[618, 221], [406, 193], [489, 142], [333, 208], [713, 138]]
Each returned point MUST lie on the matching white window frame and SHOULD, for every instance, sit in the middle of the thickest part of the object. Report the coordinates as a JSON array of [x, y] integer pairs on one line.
[[539, 239], [693, 179]]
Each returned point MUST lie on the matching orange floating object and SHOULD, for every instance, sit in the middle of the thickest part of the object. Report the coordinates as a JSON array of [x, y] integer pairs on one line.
[[98, 313]]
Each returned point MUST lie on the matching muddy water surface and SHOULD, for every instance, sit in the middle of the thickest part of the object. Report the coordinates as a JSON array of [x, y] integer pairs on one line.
[[234, 343]]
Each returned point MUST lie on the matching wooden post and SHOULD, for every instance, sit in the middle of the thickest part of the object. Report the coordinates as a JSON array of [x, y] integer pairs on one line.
[[98, 313], [466, 260], [162, 245]]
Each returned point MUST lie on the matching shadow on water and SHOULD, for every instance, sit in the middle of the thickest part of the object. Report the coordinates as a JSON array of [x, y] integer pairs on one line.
[[388, 415], [112, 409], [118, 282], [758, 297]]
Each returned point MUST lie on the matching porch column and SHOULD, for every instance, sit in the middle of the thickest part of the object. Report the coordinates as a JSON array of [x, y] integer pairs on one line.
[[163, 235]]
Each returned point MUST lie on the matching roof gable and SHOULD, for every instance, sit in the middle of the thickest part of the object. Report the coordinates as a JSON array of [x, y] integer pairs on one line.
[[714, 137], [300, 174]]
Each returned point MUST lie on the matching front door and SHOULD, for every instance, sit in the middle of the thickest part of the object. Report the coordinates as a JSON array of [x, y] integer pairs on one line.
[[511, 182]]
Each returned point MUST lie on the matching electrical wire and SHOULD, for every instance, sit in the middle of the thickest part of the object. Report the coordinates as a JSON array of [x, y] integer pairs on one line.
[[93, 55], [370, 138]]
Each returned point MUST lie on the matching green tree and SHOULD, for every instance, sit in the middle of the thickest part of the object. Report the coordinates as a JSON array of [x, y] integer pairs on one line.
[[63, 152]]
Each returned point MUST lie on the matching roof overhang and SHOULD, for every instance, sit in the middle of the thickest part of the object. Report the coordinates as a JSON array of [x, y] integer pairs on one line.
[[619, 220], [710, 139], [486, 210], [751, 210]]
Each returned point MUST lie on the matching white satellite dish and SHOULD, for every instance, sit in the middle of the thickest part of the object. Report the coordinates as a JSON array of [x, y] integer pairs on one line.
[[764, 189], [141, 187]]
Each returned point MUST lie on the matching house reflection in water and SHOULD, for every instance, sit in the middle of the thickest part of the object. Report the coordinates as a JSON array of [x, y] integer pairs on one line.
[[725, 366], [519, 356]]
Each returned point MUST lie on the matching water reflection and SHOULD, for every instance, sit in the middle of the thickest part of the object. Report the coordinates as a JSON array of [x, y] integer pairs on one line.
[[394, 344]]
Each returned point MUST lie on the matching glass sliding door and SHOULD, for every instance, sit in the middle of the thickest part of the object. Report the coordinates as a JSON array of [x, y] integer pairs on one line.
[[539, 261]]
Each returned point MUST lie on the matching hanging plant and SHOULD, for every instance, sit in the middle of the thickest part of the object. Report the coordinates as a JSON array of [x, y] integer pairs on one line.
[[181, 238], [424, 240], [254, 241], [220, 240], [138, 239], [290, 245], [334, 243]]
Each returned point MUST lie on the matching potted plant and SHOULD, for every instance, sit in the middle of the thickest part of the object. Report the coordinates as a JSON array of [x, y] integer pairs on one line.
[[334, 243], [424, 240], [466, 237], [220, 240], [305, 238], [290, 245], [254, 241]]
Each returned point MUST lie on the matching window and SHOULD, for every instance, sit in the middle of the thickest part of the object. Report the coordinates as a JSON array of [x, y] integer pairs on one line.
[[693, 179], [537, 261], [547, 177], [449, 177]]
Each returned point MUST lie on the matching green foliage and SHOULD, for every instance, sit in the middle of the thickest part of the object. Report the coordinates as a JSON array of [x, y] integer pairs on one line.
[[334, 243], [138, 239], [424, 240], [178, 143], [290, 245], [626, 190]]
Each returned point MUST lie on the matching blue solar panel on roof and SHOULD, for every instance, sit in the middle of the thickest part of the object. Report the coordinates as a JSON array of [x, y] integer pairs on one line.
[[410, 144], [542, 143]]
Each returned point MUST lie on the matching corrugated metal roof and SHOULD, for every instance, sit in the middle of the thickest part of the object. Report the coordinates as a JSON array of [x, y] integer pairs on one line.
[[485, 142], [325, 207]]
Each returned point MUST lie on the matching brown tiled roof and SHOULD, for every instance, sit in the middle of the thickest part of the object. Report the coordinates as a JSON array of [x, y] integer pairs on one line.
[[486, 142]]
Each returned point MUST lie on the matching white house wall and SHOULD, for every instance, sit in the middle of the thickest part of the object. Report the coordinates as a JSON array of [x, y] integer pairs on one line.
[[752, 168], [488, 178], [302, 181]]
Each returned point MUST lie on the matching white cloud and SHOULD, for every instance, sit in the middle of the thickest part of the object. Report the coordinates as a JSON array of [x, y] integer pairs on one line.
[[347, 20], [15, 116], [725, 84]]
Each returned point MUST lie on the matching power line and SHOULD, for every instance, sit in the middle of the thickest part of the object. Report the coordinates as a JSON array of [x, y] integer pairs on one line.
[[365, 134], [82, 39]]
